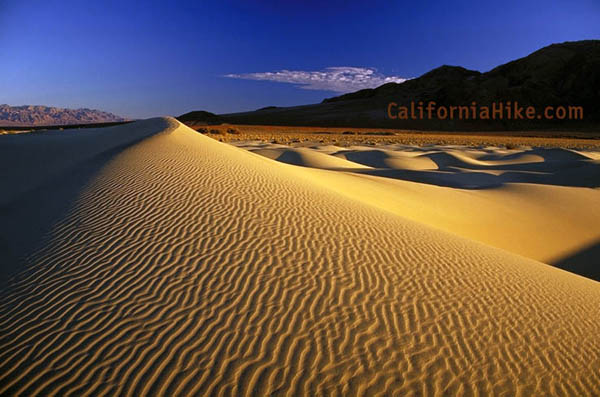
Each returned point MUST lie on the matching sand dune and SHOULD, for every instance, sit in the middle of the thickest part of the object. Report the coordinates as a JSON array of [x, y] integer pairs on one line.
[[185, 266], [308, 158], [540, 203]]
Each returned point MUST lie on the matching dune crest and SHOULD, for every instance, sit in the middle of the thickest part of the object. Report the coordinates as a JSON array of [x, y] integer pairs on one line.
[[186, 267]]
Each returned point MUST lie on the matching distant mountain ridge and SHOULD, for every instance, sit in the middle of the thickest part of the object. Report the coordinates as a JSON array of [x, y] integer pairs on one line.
[[36, 115], [565, 74]]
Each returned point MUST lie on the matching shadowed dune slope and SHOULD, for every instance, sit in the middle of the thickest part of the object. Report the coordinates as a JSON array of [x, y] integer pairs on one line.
[[41, 175], [189, 267]]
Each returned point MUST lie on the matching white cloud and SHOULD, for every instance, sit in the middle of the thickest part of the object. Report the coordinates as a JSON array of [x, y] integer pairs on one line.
[[337, 79]]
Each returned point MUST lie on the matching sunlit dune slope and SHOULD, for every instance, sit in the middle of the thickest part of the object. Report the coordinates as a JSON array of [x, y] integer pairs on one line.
[[185, 266], [540, 203]]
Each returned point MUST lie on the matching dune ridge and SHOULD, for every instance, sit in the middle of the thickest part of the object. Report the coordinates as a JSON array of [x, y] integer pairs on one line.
[[186, 266]]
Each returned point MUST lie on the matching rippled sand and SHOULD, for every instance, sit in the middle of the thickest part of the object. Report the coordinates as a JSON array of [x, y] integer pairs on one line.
[[148, 259], [541, 203]]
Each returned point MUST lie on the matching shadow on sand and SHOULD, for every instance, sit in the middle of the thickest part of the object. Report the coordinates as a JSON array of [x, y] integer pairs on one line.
[[42, 177], [559, 167], [27, 222], [585, 262]]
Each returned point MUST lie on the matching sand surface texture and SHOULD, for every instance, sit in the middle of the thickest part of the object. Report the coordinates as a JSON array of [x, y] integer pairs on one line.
[[148, 259], [538, 202]]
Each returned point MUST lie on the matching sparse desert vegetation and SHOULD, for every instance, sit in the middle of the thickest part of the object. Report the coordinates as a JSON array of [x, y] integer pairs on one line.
[[345, 137]]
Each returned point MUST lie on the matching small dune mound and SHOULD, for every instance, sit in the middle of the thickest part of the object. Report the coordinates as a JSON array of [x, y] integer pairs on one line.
[[308, 158]]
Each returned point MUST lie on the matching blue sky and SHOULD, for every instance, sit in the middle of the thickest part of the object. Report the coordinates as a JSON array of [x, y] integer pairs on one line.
[[147, 58]]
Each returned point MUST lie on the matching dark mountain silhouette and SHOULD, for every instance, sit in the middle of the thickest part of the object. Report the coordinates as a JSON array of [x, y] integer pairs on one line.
[[44, 115], [566, 74], [200, 117]]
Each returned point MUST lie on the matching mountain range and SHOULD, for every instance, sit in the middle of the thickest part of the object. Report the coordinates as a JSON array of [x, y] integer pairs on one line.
[[565, 74], [29, 115]]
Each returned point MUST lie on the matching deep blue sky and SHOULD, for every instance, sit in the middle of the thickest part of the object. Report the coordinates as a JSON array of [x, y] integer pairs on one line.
[[147, 58]]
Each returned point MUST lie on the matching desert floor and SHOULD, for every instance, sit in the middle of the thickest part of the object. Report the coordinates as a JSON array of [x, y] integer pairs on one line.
[[377, 136], [150, 259]]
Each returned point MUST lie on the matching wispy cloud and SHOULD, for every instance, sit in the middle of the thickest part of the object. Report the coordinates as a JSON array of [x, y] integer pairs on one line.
[[337, 79]]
